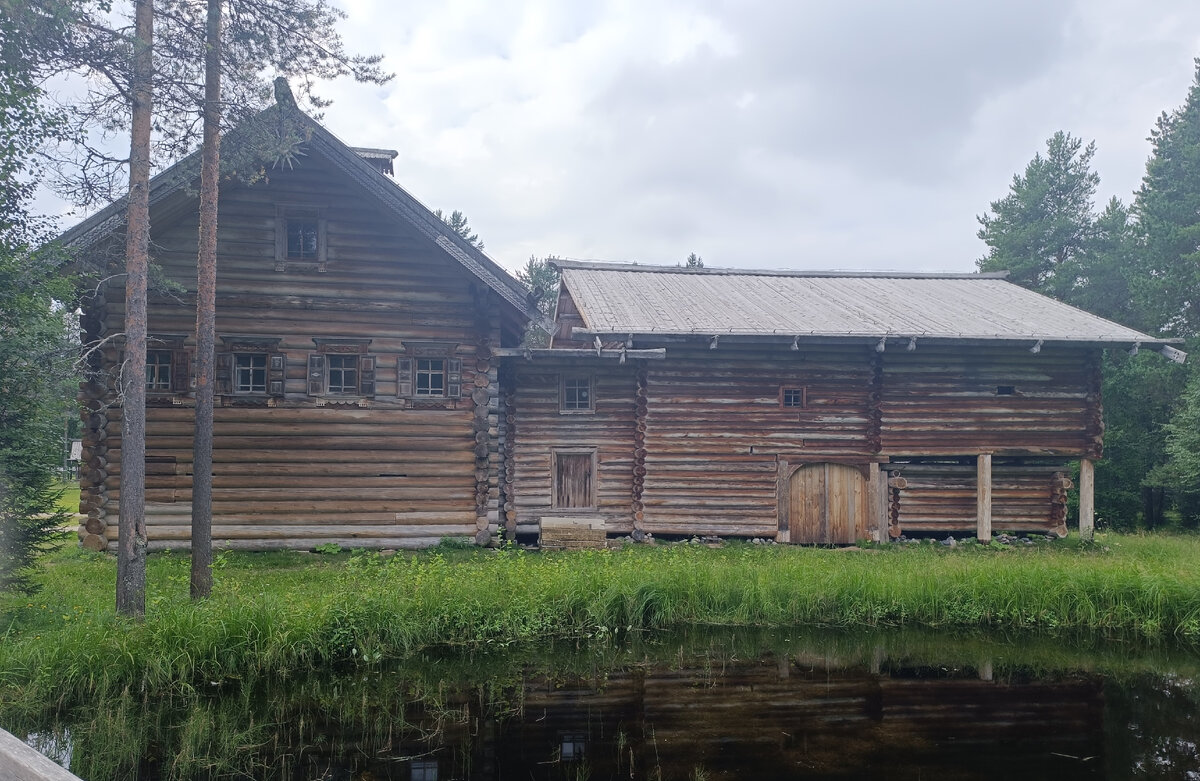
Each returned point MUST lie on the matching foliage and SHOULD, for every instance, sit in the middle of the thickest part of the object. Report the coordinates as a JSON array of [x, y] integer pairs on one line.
[[1040, 231], [694, 261], [271, 614], [542, 279], [458, 223], [1167, 208], [35, 350], [1182, 470]]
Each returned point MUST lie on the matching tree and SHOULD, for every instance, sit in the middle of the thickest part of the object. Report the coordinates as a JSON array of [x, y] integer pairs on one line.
[[542, 279], [1167, 208], [458, 223], [1040, 230], [694, 261], [200, 583], [131, 525], [35, 352]]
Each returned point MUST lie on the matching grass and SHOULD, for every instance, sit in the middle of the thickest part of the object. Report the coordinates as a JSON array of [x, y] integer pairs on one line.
[[280, 613], [69, 501]]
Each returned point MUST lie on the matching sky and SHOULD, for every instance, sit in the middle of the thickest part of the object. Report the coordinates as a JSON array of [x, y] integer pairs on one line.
[[755, 133]]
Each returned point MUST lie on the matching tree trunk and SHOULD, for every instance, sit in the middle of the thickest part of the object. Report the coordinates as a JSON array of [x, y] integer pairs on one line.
[[206, 312], [131, 555]]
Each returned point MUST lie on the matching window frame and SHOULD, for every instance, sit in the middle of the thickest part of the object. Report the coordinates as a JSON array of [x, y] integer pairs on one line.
[[408, 365], [225, 383], [287, 214], [430, 373], [236, 375], [154, 381], [797, 392], [563, 409]]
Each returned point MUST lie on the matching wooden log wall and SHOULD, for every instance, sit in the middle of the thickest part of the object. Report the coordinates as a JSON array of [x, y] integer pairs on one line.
[[938, 496], [960, 400], [541, 426], [296, 470], [715, 426]]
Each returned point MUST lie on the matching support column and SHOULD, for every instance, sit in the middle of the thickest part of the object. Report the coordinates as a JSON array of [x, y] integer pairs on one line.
[[983, 498], [1087, 499]]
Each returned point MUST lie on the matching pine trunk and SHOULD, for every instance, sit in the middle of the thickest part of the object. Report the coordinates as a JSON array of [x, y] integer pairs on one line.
[[131, 555], [206, 312]]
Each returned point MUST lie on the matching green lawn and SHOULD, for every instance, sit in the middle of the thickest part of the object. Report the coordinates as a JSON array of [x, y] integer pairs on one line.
[[280, 612]]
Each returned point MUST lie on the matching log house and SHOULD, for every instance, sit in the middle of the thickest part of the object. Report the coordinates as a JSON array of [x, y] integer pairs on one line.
[[373, 390]]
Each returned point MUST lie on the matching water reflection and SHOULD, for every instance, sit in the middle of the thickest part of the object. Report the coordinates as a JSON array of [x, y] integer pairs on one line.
[[693, 705]]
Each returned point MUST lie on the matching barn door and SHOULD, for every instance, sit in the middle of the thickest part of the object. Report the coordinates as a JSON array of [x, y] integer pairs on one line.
[[827, 503]]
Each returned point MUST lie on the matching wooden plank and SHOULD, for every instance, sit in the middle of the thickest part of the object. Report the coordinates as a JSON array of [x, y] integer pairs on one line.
[[1087, 499], [983, 498], [21, 762]]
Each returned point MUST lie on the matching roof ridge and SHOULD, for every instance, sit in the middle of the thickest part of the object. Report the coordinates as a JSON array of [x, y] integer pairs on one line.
[[589, 265]]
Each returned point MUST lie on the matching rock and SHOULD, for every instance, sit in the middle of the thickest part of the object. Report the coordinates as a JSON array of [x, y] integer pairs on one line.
[[949, 541], [638, 535], [387, 552]]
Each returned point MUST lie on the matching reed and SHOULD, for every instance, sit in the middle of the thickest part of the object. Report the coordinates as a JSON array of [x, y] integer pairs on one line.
[[279, 613]]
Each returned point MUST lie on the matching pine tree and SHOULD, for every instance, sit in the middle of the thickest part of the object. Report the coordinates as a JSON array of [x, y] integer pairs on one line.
[[1041, 229], [1167, 208]]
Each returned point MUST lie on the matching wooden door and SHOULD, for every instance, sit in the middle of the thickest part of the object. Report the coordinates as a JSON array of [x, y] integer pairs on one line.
[[574, 480], [827, 503]]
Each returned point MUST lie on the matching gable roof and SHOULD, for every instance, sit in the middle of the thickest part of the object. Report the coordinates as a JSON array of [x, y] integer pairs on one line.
[[391, 196], [622, 299]]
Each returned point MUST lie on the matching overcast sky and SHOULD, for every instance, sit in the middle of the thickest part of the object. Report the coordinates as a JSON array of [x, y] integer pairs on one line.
[[756, 133], [838, 135]]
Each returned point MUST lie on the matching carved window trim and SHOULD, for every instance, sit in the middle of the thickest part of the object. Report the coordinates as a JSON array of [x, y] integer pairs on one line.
[[168, 351], [228, 377], [412, 364], [321, 369]]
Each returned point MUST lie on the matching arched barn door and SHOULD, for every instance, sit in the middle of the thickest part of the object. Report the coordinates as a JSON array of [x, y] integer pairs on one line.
[[827, 503]]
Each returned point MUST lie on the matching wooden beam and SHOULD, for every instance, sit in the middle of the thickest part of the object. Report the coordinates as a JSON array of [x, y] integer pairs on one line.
[[653, 354], [983, 498], [21, 762], [1087, 499]]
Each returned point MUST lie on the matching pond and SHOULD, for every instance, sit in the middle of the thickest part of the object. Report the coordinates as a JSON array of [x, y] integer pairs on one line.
[[696, 704]]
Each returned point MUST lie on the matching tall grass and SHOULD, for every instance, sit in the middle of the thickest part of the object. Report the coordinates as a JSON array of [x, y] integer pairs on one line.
[[280, 613]]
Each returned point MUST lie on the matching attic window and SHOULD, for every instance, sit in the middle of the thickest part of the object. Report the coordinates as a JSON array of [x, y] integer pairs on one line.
[[1006, 390], [300, 238]]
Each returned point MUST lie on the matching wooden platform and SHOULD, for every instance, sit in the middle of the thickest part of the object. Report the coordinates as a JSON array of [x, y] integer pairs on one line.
[[572, 533]]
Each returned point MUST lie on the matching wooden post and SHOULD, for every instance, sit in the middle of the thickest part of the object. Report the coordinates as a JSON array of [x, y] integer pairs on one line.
[[983, 498], [1087, 499]]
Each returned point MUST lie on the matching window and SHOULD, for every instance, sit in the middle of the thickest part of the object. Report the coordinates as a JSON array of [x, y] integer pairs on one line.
[[574, 483], [424, 770], [343, 375], [429, 371], [793, 397], [576, 394], [300, 238], [247, 366], [431, 377], [1005, 390], [158, 370], [250, 373], [572, 747], [168, 365]]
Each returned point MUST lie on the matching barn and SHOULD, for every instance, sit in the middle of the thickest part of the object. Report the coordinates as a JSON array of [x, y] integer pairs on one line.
[[374, 390], [808, 407]]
